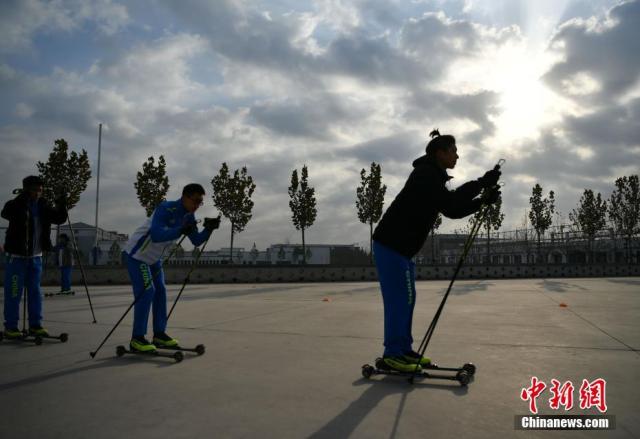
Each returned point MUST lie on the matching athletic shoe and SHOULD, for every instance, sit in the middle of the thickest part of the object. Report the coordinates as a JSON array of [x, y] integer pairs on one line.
[[12, 333], [38, 330], [67, 292], [412, 357], [141, 344], [162, 339], [400, 364]]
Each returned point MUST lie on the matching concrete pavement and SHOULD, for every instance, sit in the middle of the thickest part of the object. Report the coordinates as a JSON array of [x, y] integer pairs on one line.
[[283, 361]]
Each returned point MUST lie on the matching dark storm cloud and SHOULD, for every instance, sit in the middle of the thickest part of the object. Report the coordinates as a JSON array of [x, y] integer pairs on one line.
[[307, 116], [400, 147], [614, 127], [477, 107], [374, 60], [242, 35], [607, 52]]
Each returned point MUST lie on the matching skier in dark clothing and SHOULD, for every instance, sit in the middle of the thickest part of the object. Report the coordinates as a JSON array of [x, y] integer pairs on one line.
[[29, 234], [64, 254], [403, 230]]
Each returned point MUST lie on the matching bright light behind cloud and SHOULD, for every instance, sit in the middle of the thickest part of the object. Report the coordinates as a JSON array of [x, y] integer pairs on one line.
[[525, 103]]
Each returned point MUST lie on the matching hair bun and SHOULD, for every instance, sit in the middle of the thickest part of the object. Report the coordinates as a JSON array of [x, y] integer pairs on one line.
[[435, 133]]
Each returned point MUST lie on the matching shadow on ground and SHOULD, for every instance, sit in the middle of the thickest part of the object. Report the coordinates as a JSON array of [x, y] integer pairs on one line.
[[560, 287], [346, 422], [87, 365]]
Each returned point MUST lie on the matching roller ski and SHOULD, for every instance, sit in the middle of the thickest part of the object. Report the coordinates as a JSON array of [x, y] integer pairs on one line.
[[425, 370], [141, 346], [16, 335], [165, 342], [61, 293]]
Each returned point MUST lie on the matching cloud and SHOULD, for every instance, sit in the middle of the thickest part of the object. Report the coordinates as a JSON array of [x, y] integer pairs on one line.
[[334, 85], [21, 20], [604, 51]]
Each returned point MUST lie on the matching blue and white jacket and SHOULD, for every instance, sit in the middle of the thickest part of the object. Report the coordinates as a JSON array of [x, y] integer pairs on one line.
[[149, 242]]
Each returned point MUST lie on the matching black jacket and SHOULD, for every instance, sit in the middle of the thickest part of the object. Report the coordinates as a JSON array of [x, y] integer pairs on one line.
[[405, 225], [16, 212]]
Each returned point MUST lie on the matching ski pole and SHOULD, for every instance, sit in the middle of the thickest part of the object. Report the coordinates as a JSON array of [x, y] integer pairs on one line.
[[467, 246], [84, 279], [186, 279], [93, 354], [25, 290]]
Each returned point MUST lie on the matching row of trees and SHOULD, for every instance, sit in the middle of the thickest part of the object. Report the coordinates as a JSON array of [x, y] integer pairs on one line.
[[232, 196], [66, 173], [622, 209]]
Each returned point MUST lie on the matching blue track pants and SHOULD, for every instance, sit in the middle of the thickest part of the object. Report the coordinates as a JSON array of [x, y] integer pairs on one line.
[[397, 276], [148, 289], [65, 278], [20, 273]]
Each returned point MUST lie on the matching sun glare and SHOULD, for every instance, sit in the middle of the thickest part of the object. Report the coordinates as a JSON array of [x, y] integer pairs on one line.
[[525, 104]]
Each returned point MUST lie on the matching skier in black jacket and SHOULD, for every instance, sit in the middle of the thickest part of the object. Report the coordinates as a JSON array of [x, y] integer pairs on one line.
[[30, 218], [403, 230]]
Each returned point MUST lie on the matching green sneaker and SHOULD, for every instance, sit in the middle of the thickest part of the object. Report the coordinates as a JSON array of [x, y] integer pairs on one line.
[[163, 340], [412, 357], [38, 330], [12, 333], [141, 344], [400, 364]]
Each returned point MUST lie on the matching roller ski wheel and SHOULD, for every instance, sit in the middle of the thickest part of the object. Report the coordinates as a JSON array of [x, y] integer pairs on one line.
[[463, 378], [177, 356], [470, 368], [367, 371]]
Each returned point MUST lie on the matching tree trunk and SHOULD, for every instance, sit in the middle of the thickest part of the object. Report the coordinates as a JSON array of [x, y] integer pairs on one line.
[[433, 247], [304, 250], [231, 252], [488, 243], [539, 255], [371, 242]]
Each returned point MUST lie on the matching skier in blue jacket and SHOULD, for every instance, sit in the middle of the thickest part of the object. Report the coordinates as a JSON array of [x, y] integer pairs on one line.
[[144, 252]]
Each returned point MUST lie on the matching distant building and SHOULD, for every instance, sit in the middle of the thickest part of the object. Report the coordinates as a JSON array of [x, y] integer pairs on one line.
[[109, 248], [280, 254], [559, 245]]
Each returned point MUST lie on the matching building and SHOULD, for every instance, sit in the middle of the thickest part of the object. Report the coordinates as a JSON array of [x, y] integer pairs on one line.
[[279, 254], [559, 245], [109, 244]]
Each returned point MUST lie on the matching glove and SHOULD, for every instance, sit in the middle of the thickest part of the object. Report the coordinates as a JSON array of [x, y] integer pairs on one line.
[[211, 224], [491, 196], [490, 178], [188, 226]]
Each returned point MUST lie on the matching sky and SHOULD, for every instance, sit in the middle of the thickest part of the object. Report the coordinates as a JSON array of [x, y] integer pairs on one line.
[[553, 87]]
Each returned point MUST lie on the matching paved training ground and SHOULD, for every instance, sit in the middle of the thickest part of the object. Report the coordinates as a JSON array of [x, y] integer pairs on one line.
[[283, 363]]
